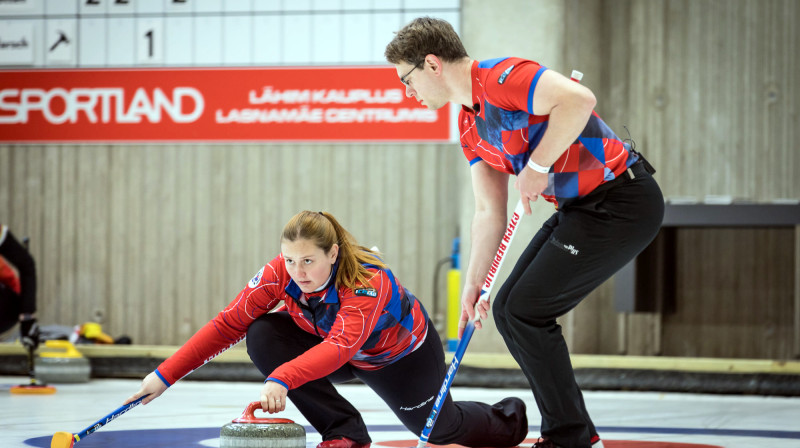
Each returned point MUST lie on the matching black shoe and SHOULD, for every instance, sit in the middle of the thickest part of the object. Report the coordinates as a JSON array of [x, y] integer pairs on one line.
[[342, 442], [545, 443]]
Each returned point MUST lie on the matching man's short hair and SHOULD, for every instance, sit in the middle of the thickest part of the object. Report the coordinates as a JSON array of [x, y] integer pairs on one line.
[[424, 36]]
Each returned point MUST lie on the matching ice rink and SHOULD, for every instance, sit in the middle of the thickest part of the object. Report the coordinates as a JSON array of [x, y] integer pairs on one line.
[[191, 414]]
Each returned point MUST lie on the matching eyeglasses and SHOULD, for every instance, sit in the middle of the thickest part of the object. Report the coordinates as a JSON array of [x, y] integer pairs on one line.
[[404, 78]]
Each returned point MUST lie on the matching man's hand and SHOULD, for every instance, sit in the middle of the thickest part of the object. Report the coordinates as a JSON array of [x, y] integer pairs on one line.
[[469, 298], [530, 184], [29, 333]]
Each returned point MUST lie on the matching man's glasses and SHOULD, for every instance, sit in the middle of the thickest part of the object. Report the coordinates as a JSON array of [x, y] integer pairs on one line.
[[404, 78]]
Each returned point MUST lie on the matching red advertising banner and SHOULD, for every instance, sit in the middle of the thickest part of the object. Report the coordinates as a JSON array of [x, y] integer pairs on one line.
[[215, 105]]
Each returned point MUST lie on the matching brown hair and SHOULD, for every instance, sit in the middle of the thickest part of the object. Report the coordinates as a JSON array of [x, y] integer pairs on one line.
[[424, 36], [324, 231]]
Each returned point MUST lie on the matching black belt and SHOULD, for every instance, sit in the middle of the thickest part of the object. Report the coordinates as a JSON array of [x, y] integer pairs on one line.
[[637, 169], [640, 168]]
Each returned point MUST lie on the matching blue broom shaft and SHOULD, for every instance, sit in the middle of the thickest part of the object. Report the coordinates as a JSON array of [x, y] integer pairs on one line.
[[470, 328], [448, 381], [108, 418]]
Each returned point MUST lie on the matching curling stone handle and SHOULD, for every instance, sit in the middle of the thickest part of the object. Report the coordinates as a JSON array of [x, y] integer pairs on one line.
[[69, 350], [248, 416]]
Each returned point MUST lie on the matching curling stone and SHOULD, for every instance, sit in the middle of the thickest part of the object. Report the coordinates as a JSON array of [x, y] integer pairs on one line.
[[248, 431], [64, 366]]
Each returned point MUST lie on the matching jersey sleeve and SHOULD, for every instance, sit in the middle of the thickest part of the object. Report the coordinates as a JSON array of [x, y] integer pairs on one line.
[[262, 294], [511, 86], [470, 153], [357, 317]]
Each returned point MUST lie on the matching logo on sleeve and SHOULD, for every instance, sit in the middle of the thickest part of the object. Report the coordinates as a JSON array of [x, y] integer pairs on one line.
[[370, 292], [503, 75], [254, 281]]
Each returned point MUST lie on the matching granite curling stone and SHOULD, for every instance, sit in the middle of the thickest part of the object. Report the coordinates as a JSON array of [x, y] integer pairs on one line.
[[65, 366], [248, 431]]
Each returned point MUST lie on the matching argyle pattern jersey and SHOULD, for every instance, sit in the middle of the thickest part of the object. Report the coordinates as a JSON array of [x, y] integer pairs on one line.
[[503, 132], [368, 327]]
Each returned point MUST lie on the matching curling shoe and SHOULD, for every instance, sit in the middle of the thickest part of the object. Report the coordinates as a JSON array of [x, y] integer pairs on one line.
[[547, 443], [343, 442]]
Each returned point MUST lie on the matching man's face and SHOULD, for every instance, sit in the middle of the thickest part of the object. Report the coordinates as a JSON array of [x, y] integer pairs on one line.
[[421, 84]]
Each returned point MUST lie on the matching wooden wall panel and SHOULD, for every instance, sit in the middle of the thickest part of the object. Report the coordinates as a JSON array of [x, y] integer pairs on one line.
[[709, 92], [47, 247], [153, 241], [159, 238], [67, 245], [735, 294], [121, 277]]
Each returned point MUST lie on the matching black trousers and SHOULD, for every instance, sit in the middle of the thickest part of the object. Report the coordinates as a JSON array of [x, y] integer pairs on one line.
[[408, 386], [11, 303], [576, 250], [10, 308]]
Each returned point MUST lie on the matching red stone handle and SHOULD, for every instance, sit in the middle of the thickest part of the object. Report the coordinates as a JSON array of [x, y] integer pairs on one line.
[[248, 416]]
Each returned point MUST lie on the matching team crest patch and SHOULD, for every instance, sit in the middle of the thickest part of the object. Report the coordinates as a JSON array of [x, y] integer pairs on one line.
[[503, 75], [366, 292], [254, 281]]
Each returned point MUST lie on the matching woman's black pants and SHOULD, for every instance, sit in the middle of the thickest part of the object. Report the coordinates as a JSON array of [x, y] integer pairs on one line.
[[408, 386]]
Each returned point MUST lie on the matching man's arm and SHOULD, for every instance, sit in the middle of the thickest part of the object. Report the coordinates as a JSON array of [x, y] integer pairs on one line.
[[490, 188], [569, 105]]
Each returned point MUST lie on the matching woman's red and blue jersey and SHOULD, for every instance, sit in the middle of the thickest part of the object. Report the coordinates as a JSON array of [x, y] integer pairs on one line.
[[369, 327], [504, 132]]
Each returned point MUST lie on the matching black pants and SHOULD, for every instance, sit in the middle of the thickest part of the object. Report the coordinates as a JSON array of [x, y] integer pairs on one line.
[[409, 386], [576, 250], [11, 303], [10, 308]]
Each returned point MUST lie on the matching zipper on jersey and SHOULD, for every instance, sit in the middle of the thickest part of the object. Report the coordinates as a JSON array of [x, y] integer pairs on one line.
[[313, 312]]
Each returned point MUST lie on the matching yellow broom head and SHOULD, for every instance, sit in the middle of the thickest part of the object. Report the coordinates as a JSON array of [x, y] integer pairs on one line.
[[32, 389], [62, 440]]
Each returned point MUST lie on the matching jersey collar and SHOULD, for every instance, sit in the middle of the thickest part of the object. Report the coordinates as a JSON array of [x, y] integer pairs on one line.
[[477, 91]]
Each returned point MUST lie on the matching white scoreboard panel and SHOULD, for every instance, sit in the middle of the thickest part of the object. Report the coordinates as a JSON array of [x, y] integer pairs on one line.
[[205, 33]]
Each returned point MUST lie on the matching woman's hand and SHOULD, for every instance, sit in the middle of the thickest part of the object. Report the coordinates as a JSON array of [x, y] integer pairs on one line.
[[273, 397], [152, 386]]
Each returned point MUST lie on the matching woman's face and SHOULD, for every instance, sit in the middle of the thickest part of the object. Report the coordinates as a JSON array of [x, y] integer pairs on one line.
[[308, 265]]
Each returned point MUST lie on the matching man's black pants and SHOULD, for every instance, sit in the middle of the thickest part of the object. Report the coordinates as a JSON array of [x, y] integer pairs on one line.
[[409, 386], [576, 250], [11, 303]]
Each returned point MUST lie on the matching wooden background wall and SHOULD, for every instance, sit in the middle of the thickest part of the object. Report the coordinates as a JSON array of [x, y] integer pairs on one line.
[[154, 240], [709, 91]]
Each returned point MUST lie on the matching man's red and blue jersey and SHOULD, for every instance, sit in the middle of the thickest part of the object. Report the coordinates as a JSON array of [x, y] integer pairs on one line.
[[504, 132], [369, 327]]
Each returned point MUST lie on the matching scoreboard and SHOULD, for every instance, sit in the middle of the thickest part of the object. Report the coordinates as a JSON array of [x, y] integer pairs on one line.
[[210, 70], [205, 33]]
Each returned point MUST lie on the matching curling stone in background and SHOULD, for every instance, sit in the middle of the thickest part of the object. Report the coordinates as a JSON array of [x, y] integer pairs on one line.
[[248, 431], [64, 366]]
